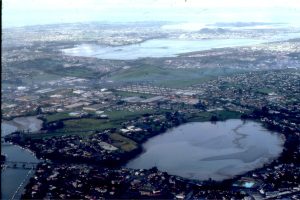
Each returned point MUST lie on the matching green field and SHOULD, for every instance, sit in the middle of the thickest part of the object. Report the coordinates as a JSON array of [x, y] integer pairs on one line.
[[54, 68], [122, 142], [264, 90], [125, 114], [113, 115], [222, 115], [87, 126], [57, 116], [75, 126], [176, 78]]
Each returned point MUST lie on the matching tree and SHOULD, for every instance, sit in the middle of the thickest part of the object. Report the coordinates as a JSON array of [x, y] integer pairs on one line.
[[153, 169], [39, 110], [244, 116], [121, 102], [168, 115], [60, 124], [199, 105], [264, 110], [214, 118]]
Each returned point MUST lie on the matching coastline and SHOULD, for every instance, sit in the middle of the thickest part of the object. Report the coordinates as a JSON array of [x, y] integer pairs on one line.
[[129, 156]]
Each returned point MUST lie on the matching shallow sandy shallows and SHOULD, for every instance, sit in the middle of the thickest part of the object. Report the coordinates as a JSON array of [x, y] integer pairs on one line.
[[31, 123]]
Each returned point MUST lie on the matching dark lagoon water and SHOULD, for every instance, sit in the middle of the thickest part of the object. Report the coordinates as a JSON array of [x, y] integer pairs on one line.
[[206, 150], [14, 180], [155, 48]]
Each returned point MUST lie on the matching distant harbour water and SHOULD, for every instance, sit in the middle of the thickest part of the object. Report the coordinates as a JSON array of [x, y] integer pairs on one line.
[[204, 150], [155, 48]]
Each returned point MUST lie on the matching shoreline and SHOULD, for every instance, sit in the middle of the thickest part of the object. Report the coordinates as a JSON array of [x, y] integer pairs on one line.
[[132, 155]]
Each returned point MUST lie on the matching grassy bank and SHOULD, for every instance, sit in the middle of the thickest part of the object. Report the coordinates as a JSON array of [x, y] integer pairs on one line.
[[221, 116]]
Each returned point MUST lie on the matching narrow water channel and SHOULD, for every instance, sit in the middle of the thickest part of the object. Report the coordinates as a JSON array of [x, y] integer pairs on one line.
[[13, 180]]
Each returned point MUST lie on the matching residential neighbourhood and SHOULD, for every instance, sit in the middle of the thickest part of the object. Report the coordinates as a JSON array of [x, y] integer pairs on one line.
[[75, 119]]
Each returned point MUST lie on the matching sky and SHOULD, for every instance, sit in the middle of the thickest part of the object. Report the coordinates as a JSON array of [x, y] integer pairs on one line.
[[17, 13]]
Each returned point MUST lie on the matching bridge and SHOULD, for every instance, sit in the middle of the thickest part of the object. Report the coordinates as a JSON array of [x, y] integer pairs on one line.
[[19, 165]]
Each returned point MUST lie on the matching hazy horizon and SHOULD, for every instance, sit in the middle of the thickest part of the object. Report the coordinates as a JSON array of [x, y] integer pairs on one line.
[[18, 13]]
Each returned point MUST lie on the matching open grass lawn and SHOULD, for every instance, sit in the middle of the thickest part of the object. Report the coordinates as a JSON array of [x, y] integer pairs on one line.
[[122, 142], [201, 116], [176, 78], [86, 124], [58, 134], [125, 114], [57, 116], [222, 115], [55, 67], [264, 90]]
